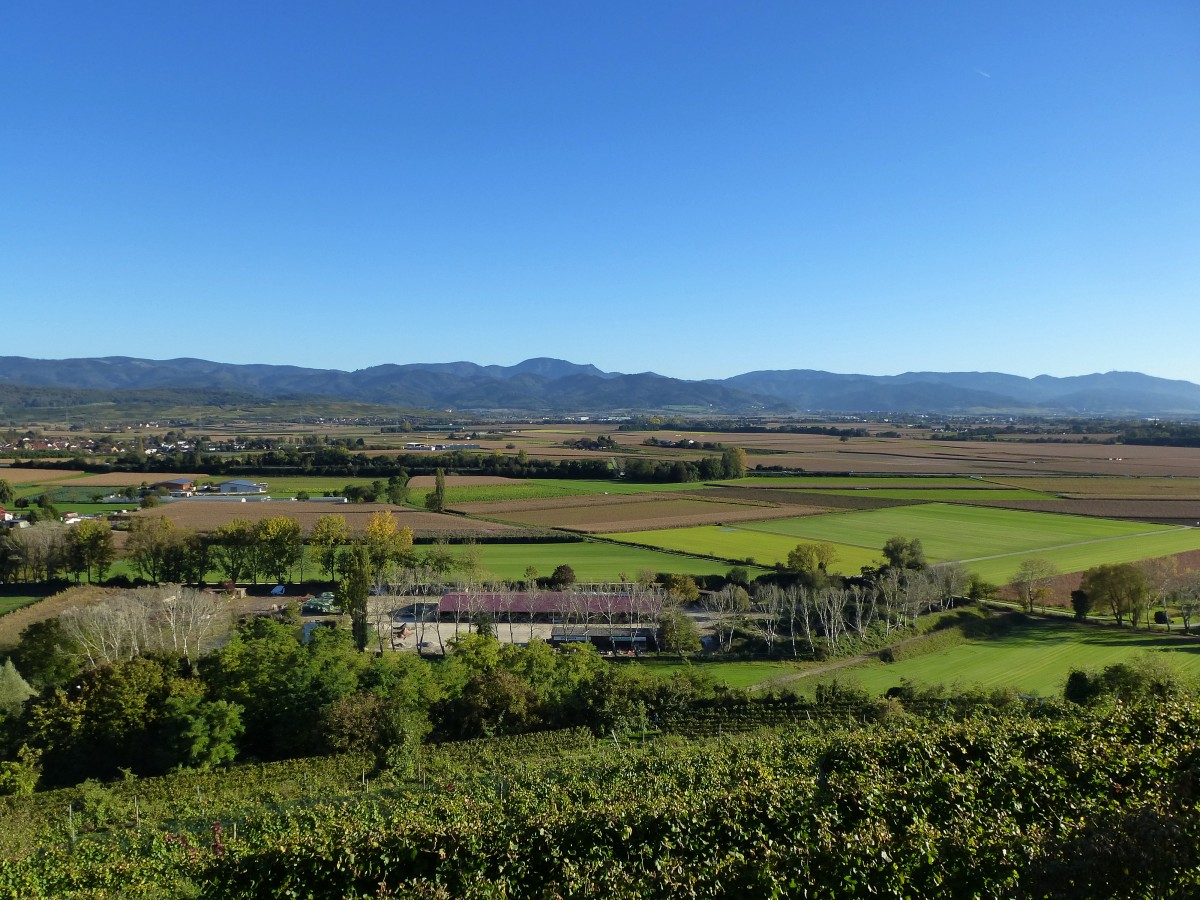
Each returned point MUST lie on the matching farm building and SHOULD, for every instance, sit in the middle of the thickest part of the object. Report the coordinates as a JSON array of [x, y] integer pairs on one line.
[[607, 638], [570, 607], [185, 486], [241, 486]]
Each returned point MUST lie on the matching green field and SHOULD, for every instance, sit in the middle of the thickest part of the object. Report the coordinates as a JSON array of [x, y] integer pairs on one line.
[[738, 542], [1078, 557], [1034, 658], [951, 531], [591, 561], [9, 602], [993, 542]]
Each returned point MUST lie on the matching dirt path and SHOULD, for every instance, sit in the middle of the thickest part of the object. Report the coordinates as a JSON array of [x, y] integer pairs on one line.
[[832, 666]]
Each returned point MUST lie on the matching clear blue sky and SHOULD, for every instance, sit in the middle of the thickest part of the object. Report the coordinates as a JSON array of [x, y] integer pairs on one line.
[[694, 188]]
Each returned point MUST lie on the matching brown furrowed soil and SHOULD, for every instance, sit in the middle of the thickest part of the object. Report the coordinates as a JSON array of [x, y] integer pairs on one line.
[[34, 476], [641, 514], [1109, 488], [428, 481], [210, 515], [499, 507], [1171, 512], [873, 455], [796, 499]]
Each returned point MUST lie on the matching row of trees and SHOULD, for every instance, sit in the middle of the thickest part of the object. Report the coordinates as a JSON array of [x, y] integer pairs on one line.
[[1135, 592], [46, 550]]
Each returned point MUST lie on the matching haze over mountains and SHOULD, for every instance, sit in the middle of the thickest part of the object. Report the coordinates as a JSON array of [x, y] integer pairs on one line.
[[545, 385]]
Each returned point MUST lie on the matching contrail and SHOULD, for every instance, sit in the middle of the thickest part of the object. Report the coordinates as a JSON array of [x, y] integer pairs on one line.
[[983, 73]]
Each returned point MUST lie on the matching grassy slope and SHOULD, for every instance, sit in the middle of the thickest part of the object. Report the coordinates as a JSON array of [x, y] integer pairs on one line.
[[1034, 658]]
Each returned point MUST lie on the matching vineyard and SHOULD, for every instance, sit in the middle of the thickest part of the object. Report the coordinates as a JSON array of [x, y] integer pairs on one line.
[[1022, 802]]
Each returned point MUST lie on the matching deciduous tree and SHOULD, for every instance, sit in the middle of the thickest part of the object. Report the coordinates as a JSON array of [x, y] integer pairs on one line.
[[1121, 587], [329, 533], [1032, 580]]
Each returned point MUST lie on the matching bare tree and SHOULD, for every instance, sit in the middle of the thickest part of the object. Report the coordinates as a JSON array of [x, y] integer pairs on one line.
[[769, 602], [728, 605], [864, 601], [830, 609], [951, 580], [190, 620], [379, 617], [1188, 597], [1163, 580], [1032, 581], [890, 588], [167, 617], [798, 606]]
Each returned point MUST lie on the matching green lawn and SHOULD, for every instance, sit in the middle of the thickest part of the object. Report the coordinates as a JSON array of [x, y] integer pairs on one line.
[[1034, 658]]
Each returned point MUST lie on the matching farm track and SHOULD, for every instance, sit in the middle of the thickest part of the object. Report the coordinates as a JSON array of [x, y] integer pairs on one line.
[[834, 665]]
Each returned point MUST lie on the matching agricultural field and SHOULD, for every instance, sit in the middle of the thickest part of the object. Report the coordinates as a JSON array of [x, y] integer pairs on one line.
[[739, 543], [22, 476], [1078, 557], [628, 512], [207, 515], [861, 482], [461, 497], [592, 561], [994, 495], [1033, 658], [952, 532], [992, 542], [1109, 488]]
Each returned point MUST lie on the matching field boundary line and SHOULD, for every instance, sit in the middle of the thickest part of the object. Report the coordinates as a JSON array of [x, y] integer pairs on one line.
[[1119, 537]]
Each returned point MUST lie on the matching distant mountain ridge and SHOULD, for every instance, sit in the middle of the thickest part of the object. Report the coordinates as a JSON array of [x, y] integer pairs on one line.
[[547, 385]]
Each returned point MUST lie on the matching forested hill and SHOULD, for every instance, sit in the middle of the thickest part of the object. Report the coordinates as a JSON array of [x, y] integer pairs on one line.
[[557, 386]]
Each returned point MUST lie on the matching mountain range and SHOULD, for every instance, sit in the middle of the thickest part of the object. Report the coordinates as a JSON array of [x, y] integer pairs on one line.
[[555, 386]]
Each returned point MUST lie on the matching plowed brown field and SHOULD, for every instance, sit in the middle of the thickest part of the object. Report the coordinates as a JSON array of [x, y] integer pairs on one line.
[[34, 476], [428, 481]]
